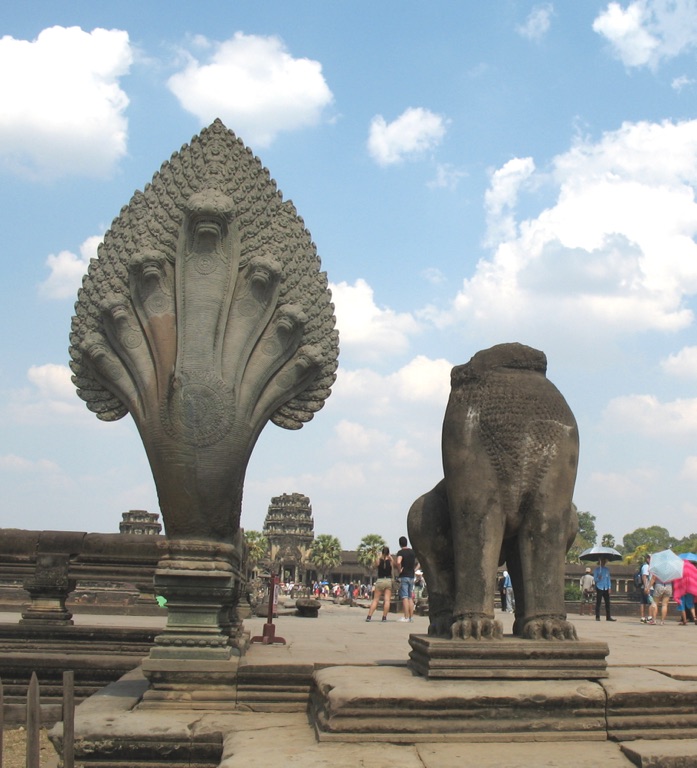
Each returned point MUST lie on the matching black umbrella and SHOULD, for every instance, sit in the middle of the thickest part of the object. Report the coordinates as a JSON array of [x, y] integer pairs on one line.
[[595, 554]]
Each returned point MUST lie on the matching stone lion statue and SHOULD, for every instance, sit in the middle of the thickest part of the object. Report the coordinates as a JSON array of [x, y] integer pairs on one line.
[[510, 453]]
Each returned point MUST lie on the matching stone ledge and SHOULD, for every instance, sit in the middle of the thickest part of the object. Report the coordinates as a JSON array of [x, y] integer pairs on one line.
[[679, 753], [510, 658], [646, 704], [388, 704]]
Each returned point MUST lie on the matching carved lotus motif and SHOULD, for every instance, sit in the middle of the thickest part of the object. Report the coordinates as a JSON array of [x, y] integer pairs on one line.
[[205, 316]]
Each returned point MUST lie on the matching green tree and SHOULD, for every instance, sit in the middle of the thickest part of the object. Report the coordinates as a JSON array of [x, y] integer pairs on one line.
[[654, 539], [257, 547], [586, 536], [325, 553], [686, 544], [369, 549], [608, 540], [586, 529]]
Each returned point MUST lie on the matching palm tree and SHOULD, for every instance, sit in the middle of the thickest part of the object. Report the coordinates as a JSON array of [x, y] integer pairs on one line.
[[369, 550], [257, 548], [325, 553]]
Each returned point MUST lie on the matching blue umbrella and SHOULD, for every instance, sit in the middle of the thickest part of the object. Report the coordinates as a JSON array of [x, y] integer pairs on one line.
[[691, 556], [666, 565]]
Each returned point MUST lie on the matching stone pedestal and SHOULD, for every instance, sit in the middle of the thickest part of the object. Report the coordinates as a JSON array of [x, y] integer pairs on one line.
[[191, 684], [49, 587], [392, 705], [508, 659], [195, 658]]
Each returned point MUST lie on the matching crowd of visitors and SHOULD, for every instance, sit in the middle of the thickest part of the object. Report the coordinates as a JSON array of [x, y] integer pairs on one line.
[[398, 575], [655, 594]]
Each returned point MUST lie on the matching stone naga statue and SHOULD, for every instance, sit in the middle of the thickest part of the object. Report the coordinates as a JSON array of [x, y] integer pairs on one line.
[[204, 316], [510, 454]]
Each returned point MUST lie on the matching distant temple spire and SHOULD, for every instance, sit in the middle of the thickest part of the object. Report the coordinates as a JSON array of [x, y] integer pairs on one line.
[[289, 529], [140, 521]]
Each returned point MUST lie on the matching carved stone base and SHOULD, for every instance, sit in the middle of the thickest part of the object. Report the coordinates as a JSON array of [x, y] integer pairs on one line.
[[390, 704], [47, 611], [197, 578], [191, 684], [49, 587], [508, 658]]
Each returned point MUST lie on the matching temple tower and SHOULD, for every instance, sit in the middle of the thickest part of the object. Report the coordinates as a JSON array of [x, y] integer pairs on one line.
[[141, 522], [289, 528]]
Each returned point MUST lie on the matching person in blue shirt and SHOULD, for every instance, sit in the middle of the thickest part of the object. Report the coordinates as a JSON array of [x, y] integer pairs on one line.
[[508, 586], [601, 577]]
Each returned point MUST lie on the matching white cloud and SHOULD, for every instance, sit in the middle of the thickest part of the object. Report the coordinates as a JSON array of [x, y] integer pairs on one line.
[[370, 332], [67, 270], [689, 469], [52, 381], [447, 177], [649, 31], [254, 85], [646, 415], [632, 485], [63, 111], [501, 197], [683, 364], [50, 398], [433, 275], [422, 384], [614, 254], [537, 23], [357, 440], [415, 131], [423, 380], [680, 83], [13, 464]]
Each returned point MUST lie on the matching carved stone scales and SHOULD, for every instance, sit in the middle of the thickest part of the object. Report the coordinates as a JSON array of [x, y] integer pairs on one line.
[[205, 315]]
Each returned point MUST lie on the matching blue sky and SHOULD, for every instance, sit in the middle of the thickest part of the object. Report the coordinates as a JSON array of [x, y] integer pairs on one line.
[[471, 174]]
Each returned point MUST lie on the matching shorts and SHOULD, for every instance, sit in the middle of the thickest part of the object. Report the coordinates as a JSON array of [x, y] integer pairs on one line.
[[587, 596], [645, 598], [686, 602], [383, 584], [662, 590], [406, 586]]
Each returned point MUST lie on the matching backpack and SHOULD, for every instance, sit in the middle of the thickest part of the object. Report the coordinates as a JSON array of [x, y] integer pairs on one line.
[[638, 580]]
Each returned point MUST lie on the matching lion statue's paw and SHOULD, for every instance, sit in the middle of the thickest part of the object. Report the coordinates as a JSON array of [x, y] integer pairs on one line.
[[476, 628], [440, 625], [549, 628]]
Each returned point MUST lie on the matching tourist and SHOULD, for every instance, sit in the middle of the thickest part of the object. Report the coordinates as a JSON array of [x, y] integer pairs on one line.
[[501, 585], [687, 603], [383, 585], [646, 599], [510, 599], [662, 592], [406, 568], [685, 592], [587, 585], [419, 585], [601, 577]]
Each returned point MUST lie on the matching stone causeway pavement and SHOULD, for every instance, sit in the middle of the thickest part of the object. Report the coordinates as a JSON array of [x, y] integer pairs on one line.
[[341, 636]]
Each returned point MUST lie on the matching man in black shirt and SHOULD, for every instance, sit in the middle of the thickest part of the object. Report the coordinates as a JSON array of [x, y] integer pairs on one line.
[[406, 566]]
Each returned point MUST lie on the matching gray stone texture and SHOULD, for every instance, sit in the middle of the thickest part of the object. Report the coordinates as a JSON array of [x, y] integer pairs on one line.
[[270, 726], [205, 316], [512, 659], [510, 453]]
